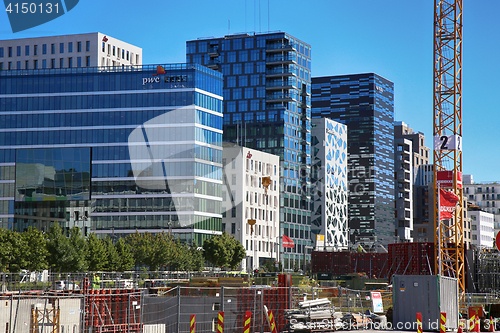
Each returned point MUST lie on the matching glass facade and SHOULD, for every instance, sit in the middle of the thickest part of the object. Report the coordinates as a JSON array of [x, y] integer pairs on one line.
[[267, 100], [365, 103], [112, 149]]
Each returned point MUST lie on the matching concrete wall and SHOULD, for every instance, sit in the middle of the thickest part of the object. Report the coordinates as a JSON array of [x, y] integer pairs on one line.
[[16, 313]]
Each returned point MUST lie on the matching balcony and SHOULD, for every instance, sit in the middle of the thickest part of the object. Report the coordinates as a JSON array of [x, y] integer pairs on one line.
[[279, 71], [278, 97], [403, 188], [279, 84], [213, 51], [280, 59], [213, 64], [278, 47], [404, 160], [275, 107]]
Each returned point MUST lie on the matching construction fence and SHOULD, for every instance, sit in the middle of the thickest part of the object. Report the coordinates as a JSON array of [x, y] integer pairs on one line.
[[177, 309]]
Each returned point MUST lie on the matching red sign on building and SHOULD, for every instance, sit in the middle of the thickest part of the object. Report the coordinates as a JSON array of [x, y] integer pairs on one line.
[[445, 179]]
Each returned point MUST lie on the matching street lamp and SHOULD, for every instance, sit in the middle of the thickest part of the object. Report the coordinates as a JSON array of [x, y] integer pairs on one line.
[[305, 250]]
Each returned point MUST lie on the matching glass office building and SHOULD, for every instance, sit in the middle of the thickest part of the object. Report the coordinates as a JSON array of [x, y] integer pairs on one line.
[[267, 106], [365, 103], [112, 150]]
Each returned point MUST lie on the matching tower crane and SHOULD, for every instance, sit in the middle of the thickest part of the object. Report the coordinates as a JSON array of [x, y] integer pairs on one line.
[[447, 130]]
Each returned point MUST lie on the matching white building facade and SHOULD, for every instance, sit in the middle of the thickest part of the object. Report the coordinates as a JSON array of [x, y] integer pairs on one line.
[[329, 175], [67, 51], [403, 171], [482, 228], [484, 195], [250, 211]]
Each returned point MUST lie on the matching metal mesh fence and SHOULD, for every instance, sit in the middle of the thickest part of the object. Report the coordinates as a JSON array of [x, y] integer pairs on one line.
[[170, 309]]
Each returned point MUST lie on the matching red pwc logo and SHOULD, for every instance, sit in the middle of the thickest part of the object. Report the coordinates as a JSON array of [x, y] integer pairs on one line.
[[104, 39], [249, 155]]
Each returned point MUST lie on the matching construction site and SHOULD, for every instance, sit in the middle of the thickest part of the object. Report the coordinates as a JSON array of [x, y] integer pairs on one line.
[[482, 266], [289, 303], [408, 283]]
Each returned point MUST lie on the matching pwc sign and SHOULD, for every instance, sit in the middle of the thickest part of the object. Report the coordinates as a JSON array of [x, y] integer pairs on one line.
[[26, 15]]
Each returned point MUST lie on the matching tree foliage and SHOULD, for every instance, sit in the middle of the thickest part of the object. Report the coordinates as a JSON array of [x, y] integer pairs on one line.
[[66, 254], [35, 251], [125, 255], [70, 251], [12, 250], [97, 253], [224, 251]]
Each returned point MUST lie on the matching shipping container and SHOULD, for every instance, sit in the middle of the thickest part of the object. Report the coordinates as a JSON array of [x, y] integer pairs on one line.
[[429, 295]]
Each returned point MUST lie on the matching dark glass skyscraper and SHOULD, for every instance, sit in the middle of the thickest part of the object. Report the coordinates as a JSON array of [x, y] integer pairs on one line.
[[365, 103], [267, 107], [112, 149]]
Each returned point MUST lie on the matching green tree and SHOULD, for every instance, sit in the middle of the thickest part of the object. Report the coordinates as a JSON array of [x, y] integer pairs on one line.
[[239, 253], [77, 241], [5, 249], [36, 252], [142, 246], [125, 255], [196, 258], [223, 250], [180, 258], [112, 256], [163, 253], [66, 254], [96, 254], [12, 251]]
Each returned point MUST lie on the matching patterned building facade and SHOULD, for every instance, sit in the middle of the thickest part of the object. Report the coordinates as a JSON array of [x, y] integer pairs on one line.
[[365, 103], [329, 174]]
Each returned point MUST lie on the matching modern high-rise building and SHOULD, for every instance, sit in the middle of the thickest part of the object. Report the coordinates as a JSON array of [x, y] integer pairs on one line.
[[329, 179], [365, 103], [412, 175], [420, 153], [403, 173], [250, 203], [267, 82], [112, 150], [67, 51]]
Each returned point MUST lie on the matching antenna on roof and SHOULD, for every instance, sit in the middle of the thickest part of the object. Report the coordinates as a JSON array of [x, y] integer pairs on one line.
[[260, 11]]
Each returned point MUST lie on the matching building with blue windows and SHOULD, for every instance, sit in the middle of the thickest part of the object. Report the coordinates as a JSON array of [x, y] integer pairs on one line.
[[365, 103], [329, 179], [267, 106], [112, 149]]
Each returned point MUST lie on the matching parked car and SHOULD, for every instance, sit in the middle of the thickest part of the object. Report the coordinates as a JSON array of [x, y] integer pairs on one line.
[[66, 285]]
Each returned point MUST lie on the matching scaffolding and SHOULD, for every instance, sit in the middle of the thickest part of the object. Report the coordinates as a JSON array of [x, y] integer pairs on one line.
[[488, 270]]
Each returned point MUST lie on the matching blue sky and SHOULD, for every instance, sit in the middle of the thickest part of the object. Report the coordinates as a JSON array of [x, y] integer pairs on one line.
[[393, 38]]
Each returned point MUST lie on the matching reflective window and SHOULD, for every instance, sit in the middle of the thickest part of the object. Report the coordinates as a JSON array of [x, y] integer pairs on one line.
[[53, 174]]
